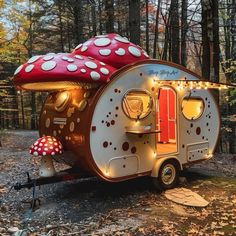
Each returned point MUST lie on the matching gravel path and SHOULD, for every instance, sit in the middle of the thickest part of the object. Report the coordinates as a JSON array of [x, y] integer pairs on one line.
[[93, 207]]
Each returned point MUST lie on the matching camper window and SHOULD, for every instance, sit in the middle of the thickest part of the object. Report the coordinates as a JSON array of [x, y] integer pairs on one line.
[[192, 108], [137, 104]]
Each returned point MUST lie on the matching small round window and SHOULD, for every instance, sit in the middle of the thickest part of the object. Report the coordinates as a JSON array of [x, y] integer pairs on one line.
[[137, 104], [192, 108], [62, 101]]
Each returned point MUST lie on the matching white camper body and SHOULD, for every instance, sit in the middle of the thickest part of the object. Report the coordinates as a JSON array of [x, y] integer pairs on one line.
[[142, 122]]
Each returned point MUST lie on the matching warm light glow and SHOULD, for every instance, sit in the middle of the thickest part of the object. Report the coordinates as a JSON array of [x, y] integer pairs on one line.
[[53, 86], [193, 84], [192, 108], [209, 155], [62, 101]]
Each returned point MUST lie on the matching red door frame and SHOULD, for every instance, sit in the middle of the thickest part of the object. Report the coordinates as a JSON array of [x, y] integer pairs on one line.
[[166, 115]]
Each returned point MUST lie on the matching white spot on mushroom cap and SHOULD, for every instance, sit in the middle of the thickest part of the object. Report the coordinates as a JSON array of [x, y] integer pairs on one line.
[[33, 59], [101, 42], [70, 60], [105, 52], [49, 65], [95, 75], [35, 153], [65, 58], [102, 63], [48, 57], [121, 39], [18, 69], [120, 52], [134, 51], [105, 71], [79, 57], [44, 153], [29, 68], [91, 64], [84, 48], [78, 46], [72, 67], [83, 70]]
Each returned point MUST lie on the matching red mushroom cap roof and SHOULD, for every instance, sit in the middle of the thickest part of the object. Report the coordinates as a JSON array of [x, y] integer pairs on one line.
[[46, 146], [61, 71], [112, 49]]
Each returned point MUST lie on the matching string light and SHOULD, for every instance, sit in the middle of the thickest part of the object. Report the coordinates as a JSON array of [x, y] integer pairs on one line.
[[184, 84]]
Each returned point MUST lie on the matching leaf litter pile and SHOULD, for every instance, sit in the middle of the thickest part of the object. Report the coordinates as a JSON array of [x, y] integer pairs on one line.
[[93, 207]]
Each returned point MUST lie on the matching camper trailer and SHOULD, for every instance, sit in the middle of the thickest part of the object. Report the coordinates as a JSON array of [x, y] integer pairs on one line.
[[117, 114]]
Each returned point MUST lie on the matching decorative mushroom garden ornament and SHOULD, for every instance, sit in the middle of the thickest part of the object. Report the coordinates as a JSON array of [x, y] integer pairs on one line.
[[46, 147], [119, 114]]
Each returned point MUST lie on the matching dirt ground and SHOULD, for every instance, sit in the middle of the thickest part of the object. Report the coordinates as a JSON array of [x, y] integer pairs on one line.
[[93, 207]]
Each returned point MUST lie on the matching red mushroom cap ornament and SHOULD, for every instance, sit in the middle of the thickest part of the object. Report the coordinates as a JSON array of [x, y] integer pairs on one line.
[[46, 147], [61, 71], [112, 49], [89, 65]]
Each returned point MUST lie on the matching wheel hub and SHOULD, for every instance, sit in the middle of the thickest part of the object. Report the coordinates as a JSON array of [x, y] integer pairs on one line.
[[168, 174]]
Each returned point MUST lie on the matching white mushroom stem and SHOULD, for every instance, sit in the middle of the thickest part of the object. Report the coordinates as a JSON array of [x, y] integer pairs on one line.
[[46, 168]]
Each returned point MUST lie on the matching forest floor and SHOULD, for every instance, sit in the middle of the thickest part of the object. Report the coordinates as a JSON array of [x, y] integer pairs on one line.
[[93, 207]]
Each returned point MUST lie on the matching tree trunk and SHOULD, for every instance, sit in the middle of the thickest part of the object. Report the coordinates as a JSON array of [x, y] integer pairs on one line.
[[233, 37], [156, 29], [134, 21], [100, 16], [109, 9], [94, 22], [184, 28], [68, 32], [174, 31], [205, 41], [60, 25], [216, 42], [147, 27], [78, 21]]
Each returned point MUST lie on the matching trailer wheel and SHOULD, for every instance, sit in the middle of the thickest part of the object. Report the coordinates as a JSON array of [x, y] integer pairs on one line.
[[168, 176]]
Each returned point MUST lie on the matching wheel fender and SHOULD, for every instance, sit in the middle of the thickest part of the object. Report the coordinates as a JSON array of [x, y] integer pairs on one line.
[[159, 162]]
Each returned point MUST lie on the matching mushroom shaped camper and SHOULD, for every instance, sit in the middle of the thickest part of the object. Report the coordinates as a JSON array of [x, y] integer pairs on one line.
[[112, 49], [61, 71], [46, 147]]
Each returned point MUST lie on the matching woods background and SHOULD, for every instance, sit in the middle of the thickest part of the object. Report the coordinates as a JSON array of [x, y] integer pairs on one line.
[[199, 34]]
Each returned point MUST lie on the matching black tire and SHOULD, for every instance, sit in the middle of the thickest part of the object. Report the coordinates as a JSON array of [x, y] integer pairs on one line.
[[167, 180]]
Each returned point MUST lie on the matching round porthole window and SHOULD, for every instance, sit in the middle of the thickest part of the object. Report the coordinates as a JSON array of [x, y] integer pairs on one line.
[[192, 108], [62, 101], [137, 104]]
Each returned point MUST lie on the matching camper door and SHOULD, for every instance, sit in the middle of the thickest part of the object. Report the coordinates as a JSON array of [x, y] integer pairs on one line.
[[166, 122]]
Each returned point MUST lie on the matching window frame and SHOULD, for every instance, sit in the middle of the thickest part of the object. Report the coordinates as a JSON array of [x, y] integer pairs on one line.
[[138, 90], [196, 98]]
